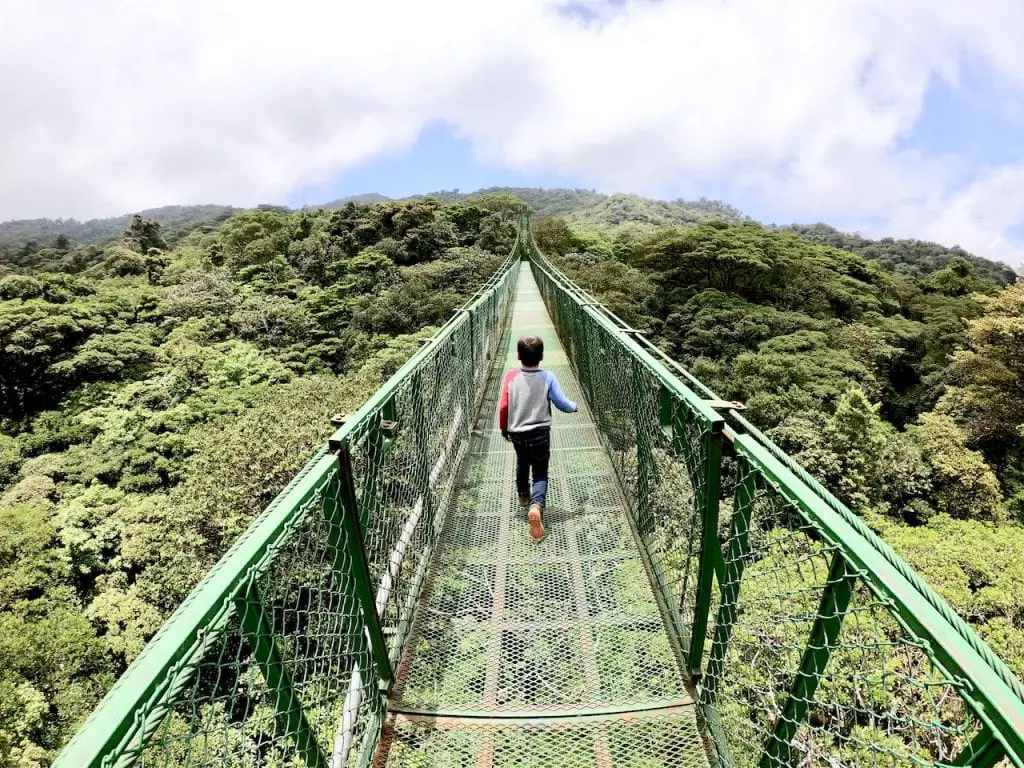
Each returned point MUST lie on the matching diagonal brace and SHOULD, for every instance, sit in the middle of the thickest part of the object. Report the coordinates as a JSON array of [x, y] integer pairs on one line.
[[260, 633], [984, 751], [711, 550], [343, 521], [835, 600]]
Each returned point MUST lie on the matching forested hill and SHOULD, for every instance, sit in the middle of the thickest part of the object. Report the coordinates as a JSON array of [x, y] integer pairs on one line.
[[911, 257], [594, 210], [367, 198], [587, 208], [624, 214], [176, 221], [583, 209]]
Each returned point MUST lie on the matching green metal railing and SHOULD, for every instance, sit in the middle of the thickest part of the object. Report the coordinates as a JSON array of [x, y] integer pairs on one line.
[[283, 654], [809, 640]]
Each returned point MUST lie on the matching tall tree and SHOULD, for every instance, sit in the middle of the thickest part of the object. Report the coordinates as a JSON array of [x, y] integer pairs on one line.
[[143, 234]]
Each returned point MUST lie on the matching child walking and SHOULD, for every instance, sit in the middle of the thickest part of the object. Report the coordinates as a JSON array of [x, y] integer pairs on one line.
[[524, 414]]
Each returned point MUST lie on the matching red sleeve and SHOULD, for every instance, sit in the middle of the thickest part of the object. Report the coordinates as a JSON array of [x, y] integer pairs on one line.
[[503, 402]]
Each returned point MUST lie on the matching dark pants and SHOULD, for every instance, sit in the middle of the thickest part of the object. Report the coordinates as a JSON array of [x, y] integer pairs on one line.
[[533, 450]]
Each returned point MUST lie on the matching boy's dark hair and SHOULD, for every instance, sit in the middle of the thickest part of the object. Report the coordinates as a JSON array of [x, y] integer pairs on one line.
[[531, 350]]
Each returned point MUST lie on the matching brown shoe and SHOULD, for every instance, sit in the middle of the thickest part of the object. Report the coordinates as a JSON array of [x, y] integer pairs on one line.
[[536, 524], [523, 500]]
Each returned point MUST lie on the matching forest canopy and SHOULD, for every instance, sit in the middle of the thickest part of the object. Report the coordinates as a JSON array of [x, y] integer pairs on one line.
[[138, 359]]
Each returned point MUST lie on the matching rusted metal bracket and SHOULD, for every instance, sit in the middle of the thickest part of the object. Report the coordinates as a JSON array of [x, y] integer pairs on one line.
[[726, 405]]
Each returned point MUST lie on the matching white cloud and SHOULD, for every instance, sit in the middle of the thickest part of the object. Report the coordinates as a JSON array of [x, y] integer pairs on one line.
[[112, 105], [977, 217]]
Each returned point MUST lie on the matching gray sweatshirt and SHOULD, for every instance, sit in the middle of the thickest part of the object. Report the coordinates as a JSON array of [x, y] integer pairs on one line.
[[526, 397]]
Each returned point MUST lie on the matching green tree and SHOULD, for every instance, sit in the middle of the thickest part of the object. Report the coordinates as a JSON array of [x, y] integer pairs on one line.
[[553, 236], [10, 457], [849, 453], [20, 287], [144, 234], [986, 393], [123, 261], [964, 485], [960, 278], [253, 237], [797, 372]]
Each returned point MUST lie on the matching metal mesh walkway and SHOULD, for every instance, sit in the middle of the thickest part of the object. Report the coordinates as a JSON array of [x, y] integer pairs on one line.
[[531, 654]]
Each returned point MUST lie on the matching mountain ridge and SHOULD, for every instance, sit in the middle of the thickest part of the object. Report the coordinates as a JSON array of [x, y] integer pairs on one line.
[[584, 209]]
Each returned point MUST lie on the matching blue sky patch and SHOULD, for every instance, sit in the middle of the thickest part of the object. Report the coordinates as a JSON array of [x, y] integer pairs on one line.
[[439, 160]]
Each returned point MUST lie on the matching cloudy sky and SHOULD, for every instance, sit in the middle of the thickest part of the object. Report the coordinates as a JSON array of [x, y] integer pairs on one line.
[[901, 117]]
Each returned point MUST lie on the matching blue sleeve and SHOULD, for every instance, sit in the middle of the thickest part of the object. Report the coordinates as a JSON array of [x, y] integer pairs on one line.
[[557, 396]]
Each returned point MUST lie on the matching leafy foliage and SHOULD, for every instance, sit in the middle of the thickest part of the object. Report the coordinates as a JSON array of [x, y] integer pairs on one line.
[[911, 257], [155, 397]]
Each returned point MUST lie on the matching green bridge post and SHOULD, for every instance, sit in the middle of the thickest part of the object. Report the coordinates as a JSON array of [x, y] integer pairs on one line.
[[644, 460], [370, 495], [343, 519], [423, 449], [735, 562], [711, 550]]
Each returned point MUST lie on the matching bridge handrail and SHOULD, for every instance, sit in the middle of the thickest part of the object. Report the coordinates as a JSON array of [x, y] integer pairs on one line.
[[995, 694], [117, 731]]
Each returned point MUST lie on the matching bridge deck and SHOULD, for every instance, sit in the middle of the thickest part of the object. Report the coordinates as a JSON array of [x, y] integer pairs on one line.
[[536, 654]]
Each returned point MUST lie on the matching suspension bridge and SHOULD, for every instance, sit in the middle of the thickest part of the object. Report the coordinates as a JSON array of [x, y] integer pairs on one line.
[[698, 600]]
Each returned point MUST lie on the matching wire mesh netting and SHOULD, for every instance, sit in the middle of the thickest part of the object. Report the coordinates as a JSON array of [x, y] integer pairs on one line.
[[270, 685], [301, 614], [643, 740], [658, 445], [405, 461], [808, 663]]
